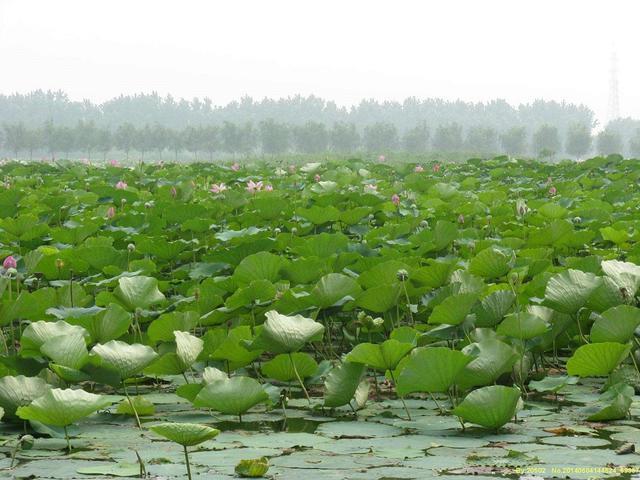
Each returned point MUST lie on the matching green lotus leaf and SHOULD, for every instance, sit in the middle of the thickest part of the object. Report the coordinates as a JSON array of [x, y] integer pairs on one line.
[[127, 360], [138, 292], [552, 383], [69, 351], [234, 396], [161, 329], [255, 468], [431, 369], [490, 407], [384, 356], [37, 333], [61, 408], [616, 324], [286, 334], [490, 263], [568, 291], [256, 292], [188, 347], [492, 308], [614, 404], [259, 266], [143, 406], [19, 391], [281, 368], [185, 434], [453, 310], [491, 358], [341, 384], [108, 324], [522, 325], [334, 289], [597, 359]]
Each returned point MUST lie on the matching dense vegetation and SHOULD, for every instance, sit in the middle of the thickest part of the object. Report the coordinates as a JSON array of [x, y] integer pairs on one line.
[[337, 320]]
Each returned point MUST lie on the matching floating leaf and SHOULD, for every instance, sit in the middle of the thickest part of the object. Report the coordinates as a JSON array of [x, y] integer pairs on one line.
[[490, 407]]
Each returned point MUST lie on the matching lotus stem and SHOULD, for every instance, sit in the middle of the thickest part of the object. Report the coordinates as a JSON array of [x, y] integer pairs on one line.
[[406, 295], [400, 396], [135, 412], [66, 437], [186, 459], [295, 371]]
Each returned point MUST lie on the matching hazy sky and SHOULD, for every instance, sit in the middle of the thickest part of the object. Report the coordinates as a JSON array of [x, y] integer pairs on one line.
[[344, 50]]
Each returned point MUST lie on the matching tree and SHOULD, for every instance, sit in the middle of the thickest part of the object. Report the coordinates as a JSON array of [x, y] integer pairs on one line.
[[514, 140], [344, 137], [482, 140], [448, 137], [160, 138], [49, 138], [608, 142], [15, 137], [104, 142], [416, 140], [546, 141], [175, 142], [380, 136], [634, 144], [87, 136], [210, 138], [312, 137], [578, 140], [125, 138], [274, 137], [193, 141], [248, 139], [231, 137], [65, 140]]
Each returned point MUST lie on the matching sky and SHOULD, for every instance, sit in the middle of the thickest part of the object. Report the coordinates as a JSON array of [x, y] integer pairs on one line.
[[344, 50]]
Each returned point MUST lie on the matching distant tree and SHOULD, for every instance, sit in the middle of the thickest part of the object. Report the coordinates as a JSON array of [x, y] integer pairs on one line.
[[86, 136], [608, 142], [578, 140], [312, 137], [49, 139], [65, 140], [175, 142], [416, 140], [344, 137], [34, 140], [448, 138], [274, 137], [481, 140], [192, 140], [546, 141], [104, 142], [248, 139], [514, 140], [634, 144], [125, 138], [210, 136], [160, 138], [231, 137], [380, 137], [15, 137]]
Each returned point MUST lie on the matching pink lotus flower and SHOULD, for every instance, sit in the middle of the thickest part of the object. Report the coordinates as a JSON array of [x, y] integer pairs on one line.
[[461, 219], [174, 192], [235, 167], [381, 158], [316, 178], [121, 185], [553, 191], [113, 163], [418, 169], [395, 199], [111, 212], [436, 168], [370, 187], [9, 262], [268, 188], [218, 187], [253, 187]]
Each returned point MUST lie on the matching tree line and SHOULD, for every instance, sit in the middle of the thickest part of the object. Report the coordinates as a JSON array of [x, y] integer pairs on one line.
[[270, 137]]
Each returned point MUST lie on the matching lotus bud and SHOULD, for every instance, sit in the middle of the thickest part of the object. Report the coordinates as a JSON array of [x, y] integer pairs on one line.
[[277, 230], [131, 247], [402, 275], [577, 220], [461, 219], [424, 224], [148, 205], [294, 230], [26, 442], [9, 262], [59, 263], [11, 271], [514, 278]]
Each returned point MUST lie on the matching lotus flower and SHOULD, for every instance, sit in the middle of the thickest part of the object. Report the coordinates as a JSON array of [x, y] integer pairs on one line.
[[370, 187], [381, 158], [111, 212], [121, 185], [461, 219], [235, 167], [553, 191], [395, 199], [114, 163], [174, 192], [316, 177], [218, 187], [253, 187], [9, 262], [436, 168], [418, 168], [268, 188]]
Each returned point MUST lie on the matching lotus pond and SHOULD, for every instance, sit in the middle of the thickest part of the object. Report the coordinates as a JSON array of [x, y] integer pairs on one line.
[[338, 320]]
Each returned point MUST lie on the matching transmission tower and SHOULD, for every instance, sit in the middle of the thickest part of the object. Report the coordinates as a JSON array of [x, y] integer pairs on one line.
[[614, 96]]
